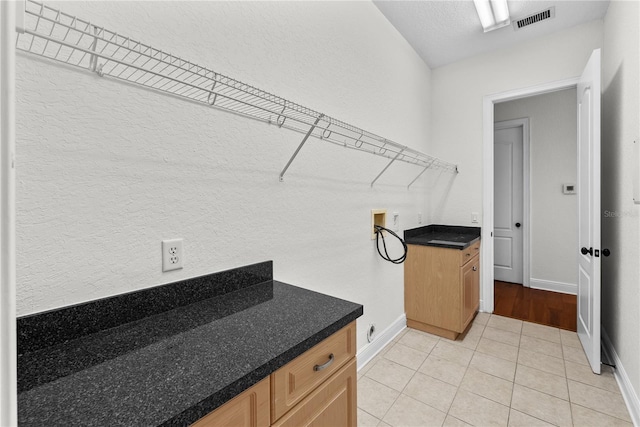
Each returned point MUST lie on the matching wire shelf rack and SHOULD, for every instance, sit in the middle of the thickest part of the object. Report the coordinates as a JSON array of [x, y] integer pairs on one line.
[[55, 35]]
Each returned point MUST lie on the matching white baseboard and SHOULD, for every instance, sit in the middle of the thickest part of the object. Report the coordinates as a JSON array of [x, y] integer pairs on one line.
[[550, 285], [385, 337], [628, 393]]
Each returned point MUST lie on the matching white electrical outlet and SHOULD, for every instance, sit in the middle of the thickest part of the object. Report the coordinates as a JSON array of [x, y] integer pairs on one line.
[[474, 217], [172, 255], [419, 217], [396, 221]]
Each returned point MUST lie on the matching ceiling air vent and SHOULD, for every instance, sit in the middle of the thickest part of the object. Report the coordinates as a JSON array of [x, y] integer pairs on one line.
[[536, 17]]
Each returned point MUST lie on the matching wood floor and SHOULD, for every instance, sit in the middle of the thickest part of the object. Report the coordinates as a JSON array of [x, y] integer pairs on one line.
[[535, 305]]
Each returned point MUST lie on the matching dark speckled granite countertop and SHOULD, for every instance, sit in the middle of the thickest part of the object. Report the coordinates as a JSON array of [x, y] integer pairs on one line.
[[443, 236], [173, 366]]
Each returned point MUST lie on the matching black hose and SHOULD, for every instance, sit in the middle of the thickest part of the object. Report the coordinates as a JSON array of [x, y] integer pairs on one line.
[[379, 229]]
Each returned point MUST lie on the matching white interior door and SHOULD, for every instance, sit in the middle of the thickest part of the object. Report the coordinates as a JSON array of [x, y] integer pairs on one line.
[[508, 202], [589, 210]]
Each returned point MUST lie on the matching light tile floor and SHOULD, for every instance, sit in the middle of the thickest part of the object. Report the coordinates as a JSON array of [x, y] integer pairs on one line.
[[504, 372]]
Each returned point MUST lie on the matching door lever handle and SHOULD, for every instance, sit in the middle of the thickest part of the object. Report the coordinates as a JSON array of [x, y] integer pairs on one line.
[[586, 251]]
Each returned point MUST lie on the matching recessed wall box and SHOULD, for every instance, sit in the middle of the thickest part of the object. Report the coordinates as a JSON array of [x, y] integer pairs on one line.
[[378, 217], [569, 188]]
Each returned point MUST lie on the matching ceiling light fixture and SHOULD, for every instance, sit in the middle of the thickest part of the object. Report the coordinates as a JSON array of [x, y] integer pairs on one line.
[[493, 14]]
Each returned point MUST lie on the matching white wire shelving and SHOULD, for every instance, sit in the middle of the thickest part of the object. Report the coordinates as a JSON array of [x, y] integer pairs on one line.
[[55, 35]]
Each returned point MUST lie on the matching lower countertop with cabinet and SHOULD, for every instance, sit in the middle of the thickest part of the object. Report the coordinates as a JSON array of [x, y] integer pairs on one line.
[[442, 288], [176, 353], [316, 388]]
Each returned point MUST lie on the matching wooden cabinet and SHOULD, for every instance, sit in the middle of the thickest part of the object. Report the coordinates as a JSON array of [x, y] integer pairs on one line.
[[470, 290], [291, 383], [249, 408], [442, 288], [318, 388], [332, 404]]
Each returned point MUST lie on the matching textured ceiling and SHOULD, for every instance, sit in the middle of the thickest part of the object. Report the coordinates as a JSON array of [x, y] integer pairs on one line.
[[446, 31]]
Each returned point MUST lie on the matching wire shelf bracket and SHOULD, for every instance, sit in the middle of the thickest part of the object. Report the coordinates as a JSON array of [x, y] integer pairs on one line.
[[386, 167], [55, 35], [299, 147]]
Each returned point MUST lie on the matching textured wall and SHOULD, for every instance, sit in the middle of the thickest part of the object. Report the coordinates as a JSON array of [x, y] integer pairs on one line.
[[554, 226], [458, 90], [107, 170], [621, 218]]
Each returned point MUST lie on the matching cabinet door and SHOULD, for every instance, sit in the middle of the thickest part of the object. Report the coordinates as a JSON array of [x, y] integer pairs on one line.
[[471, 290], [248, 409], [295, 380], [332, 404]]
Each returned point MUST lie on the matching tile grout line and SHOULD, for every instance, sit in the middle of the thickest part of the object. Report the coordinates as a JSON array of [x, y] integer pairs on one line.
[[539, 391], [459, 386], [405, 386], [382, 352], [567, 379], [369, 413], [473, 348], [515, 374], [612, 416], [418, 370], [564, 365]]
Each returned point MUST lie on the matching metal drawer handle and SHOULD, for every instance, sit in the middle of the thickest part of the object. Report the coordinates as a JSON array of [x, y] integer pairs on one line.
[[324, 365], [475, 268]]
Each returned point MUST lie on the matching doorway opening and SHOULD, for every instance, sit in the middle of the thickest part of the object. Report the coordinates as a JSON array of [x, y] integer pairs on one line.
[[588, 100], [588, 189], [535, 226], [487, 250]]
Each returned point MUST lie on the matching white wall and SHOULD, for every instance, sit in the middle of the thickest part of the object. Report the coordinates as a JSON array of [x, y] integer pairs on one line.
[[621, 218], [107, 170], [553, 161], [456, 134], [457, 93]]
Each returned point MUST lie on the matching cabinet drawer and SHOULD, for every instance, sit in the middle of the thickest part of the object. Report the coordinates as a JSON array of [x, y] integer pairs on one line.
[[469, 253], [332, 404], [250, 408], [291, 383]]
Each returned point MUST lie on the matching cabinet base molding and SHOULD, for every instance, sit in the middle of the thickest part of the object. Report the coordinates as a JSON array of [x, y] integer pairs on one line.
[[445, 333]]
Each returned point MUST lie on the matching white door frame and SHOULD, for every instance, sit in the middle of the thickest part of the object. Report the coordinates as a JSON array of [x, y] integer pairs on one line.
[[526, 196], [486, 283], [8, 352]]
